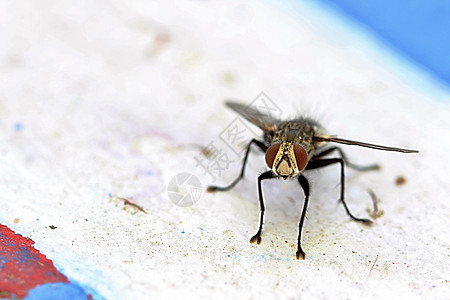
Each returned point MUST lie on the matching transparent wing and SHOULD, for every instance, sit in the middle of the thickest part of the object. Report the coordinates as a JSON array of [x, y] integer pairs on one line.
[[362, 144], [267, 123]]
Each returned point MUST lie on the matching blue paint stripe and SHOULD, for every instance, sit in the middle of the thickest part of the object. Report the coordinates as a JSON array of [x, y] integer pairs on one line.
[[420, 30], [60, 290], [57, 291]]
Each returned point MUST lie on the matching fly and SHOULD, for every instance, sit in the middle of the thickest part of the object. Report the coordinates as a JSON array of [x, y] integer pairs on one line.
[[292, 147]]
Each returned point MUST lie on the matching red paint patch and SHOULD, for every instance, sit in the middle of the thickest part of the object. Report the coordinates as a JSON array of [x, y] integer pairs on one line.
[[22, 267]]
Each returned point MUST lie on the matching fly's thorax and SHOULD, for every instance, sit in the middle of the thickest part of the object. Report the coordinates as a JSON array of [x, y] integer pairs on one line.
[[286, 159], [299, 131]]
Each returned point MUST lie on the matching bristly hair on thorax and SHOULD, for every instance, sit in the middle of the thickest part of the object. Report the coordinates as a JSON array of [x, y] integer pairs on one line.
[[299, 131]]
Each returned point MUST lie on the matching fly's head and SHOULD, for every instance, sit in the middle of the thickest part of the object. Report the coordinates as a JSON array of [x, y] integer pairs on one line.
[[286, 159]]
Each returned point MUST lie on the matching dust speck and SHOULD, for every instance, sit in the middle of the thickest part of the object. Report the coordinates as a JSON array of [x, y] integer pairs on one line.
[[400, 180]]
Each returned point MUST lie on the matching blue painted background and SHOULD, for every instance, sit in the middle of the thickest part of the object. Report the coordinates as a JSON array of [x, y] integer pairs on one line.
[[419, 30]]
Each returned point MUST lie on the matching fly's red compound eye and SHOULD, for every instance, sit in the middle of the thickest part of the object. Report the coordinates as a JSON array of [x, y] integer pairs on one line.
[[301, 156], [271, 153]]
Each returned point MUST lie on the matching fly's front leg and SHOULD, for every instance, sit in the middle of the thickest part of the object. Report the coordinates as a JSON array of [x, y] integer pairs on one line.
[[257, 237], [320, 163], [305, 186], [213, 188]]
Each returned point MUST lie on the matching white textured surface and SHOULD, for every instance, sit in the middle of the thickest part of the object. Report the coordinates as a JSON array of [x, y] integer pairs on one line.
[[111, 96]]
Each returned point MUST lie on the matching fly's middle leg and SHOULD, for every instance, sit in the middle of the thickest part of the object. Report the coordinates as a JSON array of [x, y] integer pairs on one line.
[[325, 152], [320, 163]]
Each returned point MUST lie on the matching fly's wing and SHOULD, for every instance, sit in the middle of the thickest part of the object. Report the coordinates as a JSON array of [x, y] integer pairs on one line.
[[362, 144], [267, 123]]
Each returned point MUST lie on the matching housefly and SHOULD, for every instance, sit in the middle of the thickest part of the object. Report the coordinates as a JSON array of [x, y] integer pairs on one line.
[[292, 147]]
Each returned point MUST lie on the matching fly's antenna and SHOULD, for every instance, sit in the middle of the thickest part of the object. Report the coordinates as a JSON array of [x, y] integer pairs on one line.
[[362, 144]]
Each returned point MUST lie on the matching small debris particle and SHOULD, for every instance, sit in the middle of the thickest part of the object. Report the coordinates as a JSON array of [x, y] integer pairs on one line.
[[130, 203], [400, 180], [208, 153], [52, 227], [16, 220], [182, 232], [373, 266]]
